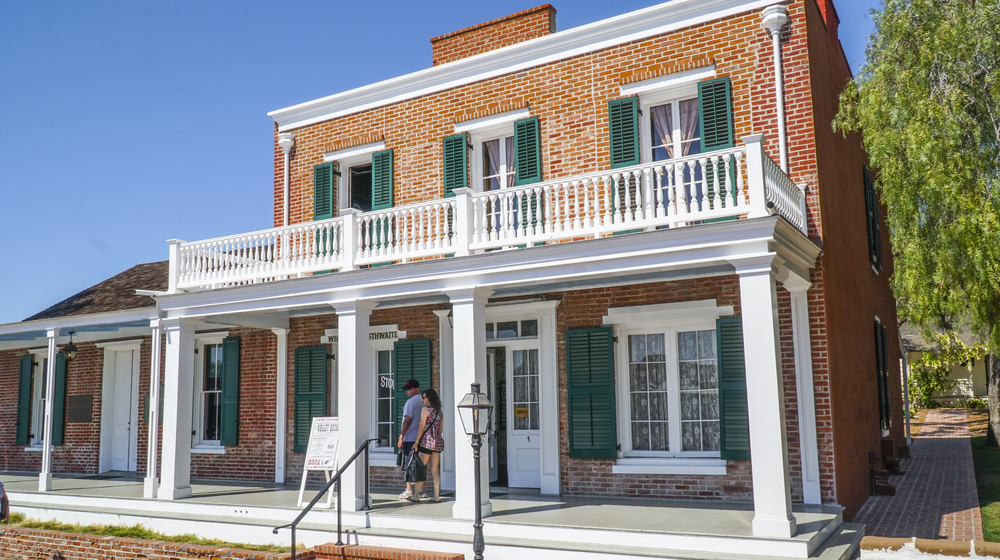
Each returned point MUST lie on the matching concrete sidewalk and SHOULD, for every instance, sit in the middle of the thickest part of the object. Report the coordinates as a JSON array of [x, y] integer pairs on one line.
[[936, 498]]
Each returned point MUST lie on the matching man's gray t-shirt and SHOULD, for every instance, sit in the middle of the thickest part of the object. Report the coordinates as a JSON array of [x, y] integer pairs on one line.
[[414, 405]]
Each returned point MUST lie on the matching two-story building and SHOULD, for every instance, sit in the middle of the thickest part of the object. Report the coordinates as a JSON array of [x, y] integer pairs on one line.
[[640, 236]]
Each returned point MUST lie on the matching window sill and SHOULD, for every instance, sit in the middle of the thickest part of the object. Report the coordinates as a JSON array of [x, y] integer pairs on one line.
[[209, 449], [37, 448], [382, 459], [669, 465]]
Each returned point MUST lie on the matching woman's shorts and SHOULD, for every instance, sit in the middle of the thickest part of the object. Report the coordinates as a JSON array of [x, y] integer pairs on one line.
[[426, 451]]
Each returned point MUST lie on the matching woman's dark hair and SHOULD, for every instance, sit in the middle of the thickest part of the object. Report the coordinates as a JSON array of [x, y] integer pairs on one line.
[[433, 397]]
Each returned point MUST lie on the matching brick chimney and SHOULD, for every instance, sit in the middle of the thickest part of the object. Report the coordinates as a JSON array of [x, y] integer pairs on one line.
[[829, 18], [501, 32]]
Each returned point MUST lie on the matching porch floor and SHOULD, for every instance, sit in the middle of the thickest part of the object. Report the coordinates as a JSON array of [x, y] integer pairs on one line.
[[519, 516]]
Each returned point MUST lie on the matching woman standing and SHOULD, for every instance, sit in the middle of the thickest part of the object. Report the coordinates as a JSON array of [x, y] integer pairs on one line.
[[429, 441]]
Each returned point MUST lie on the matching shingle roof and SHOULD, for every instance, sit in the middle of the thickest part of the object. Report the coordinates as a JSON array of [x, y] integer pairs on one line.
[[914, 341], [114, 294]]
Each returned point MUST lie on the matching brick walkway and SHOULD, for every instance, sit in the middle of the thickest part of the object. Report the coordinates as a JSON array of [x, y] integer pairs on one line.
[[936, 498]]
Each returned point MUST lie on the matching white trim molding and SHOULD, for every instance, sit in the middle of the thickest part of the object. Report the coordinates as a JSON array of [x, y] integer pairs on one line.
[[484, 124], [676, 82], [356, 151], [686, 311], [657, 465]]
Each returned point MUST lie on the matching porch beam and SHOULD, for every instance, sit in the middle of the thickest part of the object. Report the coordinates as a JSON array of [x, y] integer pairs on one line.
[[280, 403], [354, 394], [469, 344], [151, 481], [178, 398], [45, 477], [772, 496], [798, 288]]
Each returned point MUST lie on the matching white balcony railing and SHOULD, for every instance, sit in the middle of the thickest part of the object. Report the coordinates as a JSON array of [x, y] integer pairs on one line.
[[725, 184]]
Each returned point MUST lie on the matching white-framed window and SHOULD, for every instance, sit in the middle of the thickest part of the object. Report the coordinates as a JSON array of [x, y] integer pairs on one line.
[[670, 127], [527, 328], [667, 387], [385, 395], [354, 182], [671, 379], [207, 406], [492, 139]]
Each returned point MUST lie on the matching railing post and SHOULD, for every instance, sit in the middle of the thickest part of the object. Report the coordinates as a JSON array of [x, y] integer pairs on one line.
[[755, 175], [463, 221], [350, 237], [802, 207], [174, 273]]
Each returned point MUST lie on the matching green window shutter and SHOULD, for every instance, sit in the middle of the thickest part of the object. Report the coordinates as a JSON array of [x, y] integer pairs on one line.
[[456, 164], [310, 392], [527, 151], [591, 394], [411, 360], [715, 114], [323, 207], [734, 417], [230, 391], [882, 376], [59, 400], [623, 125], [870, 223], [382, 168], [22, 436]]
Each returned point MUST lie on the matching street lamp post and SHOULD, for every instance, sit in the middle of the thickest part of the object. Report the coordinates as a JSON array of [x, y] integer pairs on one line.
[[475, 411]]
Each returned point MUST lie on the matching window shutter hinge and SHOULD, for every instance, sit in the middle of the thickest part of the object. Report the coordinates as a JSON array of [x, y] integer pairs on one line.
[[194, 432], [614, 339], [619, 447], [337, 173], [195, 350], [331, 356]]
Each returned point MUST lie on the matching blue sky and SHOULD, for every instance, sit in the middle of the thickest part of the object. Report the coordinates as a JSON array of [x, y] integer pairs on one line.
[[127, 123]]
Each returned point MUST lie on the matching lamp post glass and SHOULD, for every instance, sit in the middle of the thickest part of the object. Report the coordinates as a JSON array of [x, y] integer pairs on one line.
[[475, 411]]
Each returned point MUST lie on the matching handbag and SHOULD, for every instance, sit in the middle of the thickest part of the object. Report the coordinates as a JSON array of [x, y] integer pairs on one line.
[[414, 468]]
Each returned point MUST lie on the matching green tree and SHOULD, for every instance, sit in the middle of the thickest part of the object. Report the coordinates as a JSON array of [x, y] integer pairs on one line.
[[926, 104], [931, 372]]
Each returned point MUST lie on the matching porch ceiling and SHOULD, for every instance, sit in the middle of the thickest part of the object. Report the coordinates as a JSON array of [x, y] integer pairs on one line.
[[671, 254]]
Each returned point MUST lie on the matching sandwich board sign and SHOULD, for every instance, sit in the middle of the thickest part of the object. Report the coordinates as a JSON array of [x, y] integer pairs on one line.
[[321, 454]]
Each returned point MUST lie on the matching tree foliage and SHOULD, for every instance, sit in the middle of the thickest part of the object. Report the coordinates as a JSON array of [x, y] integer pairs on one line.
[[931, 372], [927, 103]]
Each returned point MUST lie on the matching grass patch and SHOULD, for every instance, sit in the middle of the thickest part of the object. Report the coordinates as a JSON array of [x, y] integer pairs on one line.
[[136, 532], [917, 421], [987, 462]]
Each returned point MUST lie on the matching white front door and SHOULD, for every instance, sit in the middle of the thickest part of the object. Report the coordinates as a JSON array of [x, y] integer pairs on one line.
[[122, 405], [523, 419]]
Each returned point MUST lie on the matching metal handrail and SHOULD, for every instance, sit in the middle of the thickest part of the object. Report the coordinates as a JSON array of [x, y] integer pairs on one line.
[[334, 479]]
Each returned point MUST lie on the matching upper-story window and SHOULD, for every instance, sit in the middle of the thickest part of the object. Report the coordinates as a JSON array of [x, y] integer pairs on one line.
[[505, 152], [498, 168], [359, 185], [673, 130], [872, 221], [358, 178]]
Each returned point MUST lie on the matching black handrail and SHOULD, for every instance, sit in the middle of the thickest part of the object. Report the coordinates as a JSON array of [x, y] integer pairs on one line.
[[335, 478]]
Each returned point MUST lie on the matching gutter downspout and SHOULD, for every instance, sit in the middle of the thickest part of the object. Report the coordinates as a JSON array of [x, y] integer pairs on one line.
[[774, 18], [287, 142]]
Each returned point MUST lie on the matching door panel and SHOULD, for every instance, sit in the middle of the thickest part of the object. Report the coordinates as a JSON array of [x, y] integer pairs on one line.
[[523, 419], [121, 413]]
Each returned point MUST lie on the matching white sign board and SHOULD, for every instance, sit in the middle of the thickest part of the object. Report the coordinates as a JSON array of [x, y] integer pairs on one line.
[[321, 454], [324, 436]]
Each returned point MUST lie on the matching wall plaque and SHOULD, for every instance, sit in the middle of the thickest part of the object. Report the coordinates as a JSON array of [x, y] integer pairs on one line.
[[80, 408]]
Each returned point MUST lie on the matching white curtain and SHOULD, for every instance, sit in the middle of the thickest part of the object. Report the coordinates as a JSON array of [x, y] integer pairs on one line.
[[491, 162], [689, 124], [509, 147], [663, 128]]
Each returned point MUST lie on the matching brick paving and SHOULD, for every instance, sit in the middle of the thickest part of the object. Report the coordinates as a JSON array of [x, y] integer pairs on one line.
[[936, 497]]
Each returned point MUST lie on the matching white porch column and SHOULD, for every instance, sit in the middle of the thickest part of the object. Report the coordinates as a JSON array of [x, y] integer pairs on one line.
[[446, 348], [548, 393], [772, 496], [178, 398], [802, 345], [354, 394], [45, 477], [152, 481], [280, 403], [469, 343]]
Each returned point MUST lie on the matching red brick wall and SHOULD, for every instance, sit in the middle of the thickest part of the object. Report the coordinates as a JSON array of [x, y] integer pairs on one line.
[[570, 98], [17, 543], [492, 35], [853, 294], [330, 551]]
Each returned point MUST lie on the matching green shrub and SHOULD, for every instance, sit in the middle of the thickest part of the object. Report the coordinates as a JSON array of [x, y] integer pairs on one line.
[[929, 374], [974, 403]]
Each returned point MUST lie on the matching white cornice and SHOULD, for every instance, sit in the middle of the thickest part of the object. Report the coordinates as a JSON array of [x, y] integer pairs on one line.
[[655, 20]]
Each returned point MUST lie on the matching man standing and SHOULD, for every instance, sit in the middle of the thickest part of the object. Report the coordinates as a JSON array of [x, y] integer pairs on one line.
[[408, 433]]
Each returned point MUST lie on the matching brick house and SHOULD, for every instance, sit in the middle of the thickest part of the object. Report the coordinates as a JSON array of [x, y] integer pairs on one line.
[[640, 236]]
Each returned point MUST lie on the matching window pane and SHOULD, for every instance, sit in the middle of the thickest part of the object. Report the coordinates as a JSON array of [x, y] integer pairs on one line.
[[687, 345], [489, 331], [385, 361], [520, 389], [657, 406], [637, 347], [384, 410], [710, 436], [529, 328], [689, 375], [655, 350], [383, 435], [690, 131], [637, 377], [706, 345], [507, 329], [640, 436], [709, 375], [691, 436], [533, 411], [533, 388], [657, 377], [709, 405], [361, 187], [510, 164], [640, 406], [690, 408], [658, 437], [491, 158], [661, 124], [212, 413]]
